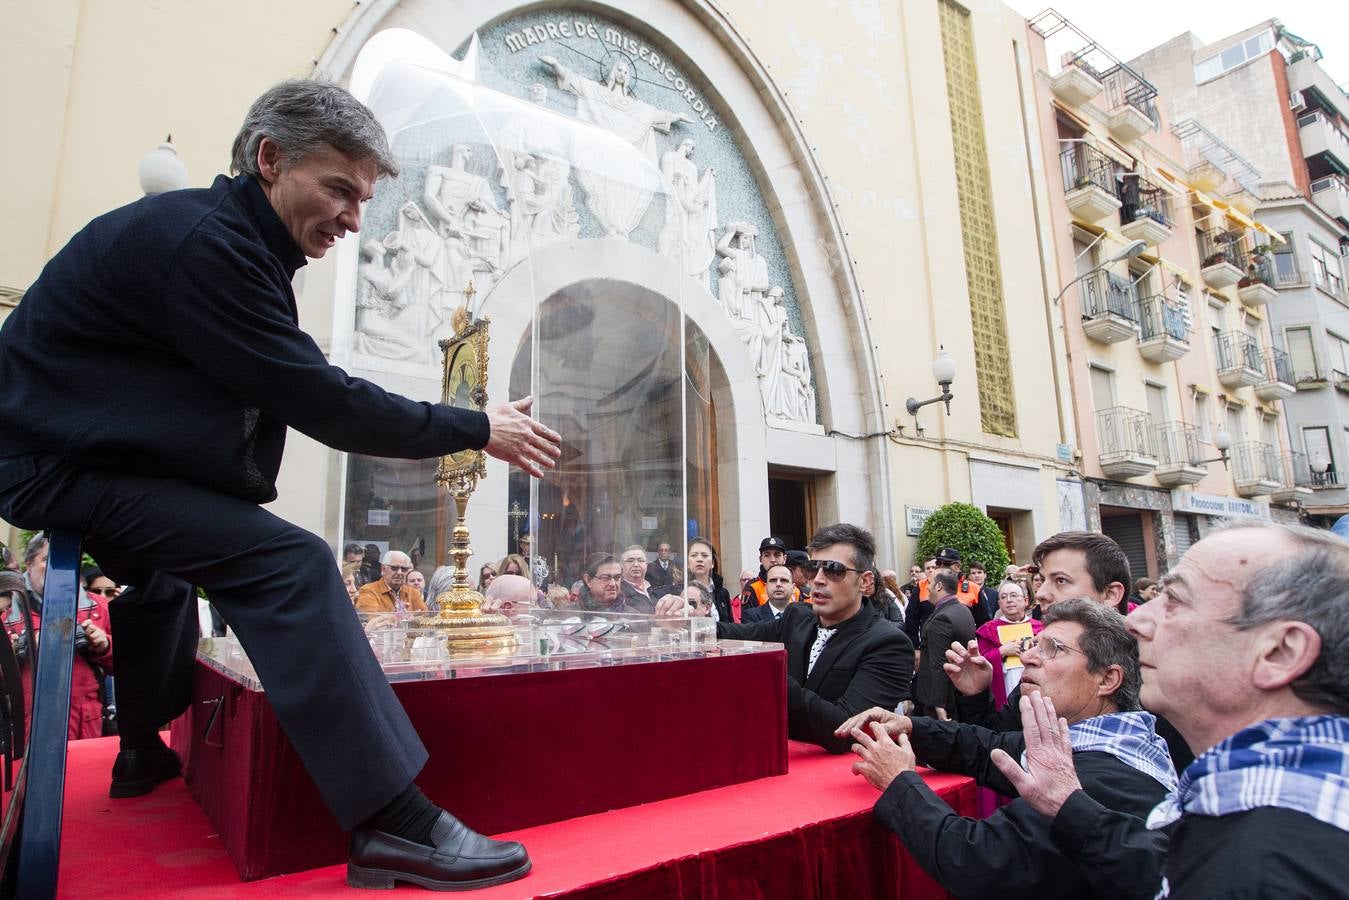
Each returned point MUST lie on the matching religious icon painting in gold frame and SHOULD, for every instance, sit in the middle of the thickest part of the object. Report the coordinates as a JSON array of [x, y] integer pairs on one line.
[[464, 385]]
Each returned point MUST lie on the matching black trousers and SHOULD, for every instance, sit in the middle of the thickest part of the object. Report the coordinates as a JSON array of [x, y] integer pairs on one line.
[[276, 585]]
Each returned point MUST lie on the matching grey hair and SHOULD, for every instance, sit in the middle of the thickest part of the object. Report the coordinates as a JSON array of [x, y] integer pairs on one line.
[[387, 558], [302, 117], [34, 547], [1010, 583], [1309, 586], [703, 595], [1105, 642], [440, 581]]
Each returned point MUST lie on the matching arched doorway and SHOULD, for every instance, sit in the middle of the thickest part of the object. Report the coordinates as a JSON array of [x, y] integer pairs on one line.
[[639, 448]]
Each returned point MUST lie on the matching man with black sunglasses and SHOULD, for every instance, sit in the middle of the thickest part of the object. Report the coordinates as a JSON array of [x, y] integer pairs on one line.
[[842, 657]]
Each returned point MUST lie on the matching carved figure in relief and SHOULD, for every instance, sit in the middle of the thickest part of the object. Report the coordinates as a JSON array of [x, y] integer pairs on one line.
[[748, 272], [766, 348], [466, 214], [797, 393], [618, 185], [689, 234], [536, 176], [382, 301]]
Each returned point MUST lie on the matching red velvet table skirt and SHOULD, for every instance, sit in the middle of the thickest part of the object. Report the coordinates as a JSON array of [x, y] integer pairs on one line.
[[506, 752]]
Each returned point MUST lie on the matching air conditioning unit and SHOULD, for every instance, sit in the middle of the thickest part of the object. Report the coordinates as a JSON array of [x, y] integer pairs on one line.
[[1296, 102]]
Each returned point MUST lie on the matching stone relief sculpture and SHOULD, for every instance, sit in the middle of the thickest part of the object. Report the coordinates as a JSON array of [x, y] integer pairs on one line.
[[618, 190], [536, 176], [797, 393], [466, 216], [748, 271], [689, 234], [395, 284]]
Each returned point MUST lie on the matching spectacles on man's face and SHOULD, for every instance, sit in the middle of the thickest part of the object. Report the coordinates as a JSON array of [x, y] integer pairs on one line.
[[104, 591], [609, 578], [399, 568], [832, 568], [1047, 647]]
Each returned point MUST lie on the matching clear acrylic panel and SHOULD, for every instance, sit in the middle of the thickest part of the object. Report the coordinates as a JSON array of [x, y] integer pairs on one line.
[[574, 216]]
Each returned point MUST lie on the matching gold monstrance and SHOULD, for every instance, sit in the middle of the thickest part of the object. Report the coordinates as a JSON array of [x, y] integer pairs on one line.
[[468, 630]]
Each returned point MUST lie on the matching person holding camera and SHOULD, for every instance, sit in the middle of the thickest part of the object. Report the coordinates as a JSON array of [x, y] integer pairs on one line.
[[93, 642]]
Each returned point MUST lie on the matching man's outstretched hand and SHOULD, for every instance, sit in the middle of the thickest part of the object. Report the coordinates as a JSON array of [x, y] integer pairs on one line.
[[968, 670], [1049, 777], [520, 439]]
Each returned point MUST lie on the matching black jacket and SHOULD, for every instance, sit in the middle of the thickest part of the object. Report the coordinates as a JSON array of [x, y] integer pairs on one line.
[[1011, 853], [760, 613], [1259, 853], [950, 621], [867, 663], [979, 710], [202, 363]]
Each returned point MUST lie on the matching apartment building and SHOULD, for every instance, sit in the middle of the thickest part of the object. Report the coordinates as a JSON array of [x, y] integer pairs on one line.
[[1175, 380], [1263, 94]]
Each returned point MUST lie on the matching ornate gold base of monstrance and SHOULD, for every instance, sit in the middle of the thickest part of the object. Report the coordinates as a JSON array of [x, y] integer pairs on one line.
[[468, 630]]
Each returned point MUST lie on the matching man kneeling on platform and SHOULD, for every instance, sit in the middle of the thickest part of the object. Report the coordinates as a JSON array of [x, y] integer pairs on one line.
[[1086, 660], [842, 657]]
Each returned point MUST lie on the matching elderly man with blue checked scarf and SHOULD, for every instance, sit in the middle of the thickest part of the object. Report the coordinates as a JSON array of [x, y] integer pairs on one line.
[[1087, 660], [1246, 650]]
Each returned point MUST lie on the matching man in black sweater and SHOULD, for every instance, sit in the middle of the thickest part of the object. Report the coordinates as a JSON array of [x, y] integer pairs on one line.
[[150, 374], [1245, 649], [1086, 659]]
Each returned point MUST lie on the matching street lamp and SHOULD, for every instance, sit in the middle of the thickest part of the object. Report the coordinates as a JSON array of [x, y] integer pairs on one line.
[[161, 170], [1223, 441], [944, 371], [1128, 251], [1320, 466]]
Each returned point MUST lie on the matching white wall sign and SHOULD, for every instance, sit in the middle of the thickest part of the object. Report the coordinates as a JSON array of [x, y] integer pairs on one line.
[[377, 517], [915, 516], [1217, 505]]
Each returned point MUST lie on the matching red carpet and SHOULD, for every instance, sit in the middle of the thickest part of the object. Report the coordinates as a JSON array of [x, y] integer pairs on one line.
[[805, 834]]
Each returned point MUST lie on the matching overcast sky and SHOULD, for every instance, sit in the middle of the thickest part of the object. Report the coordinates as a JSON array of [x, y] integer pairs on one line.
[[1127, 29]]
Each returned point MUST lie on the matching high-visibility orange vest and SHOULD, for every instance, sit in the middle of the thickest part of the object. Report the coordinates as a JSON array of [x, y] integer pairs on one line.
[[760, 589], [967, 592]]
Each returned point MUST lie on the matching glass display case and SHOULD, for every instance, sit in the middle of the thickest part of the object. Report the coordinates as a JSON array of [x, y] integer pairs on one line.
[[581, 221], [547, 640]]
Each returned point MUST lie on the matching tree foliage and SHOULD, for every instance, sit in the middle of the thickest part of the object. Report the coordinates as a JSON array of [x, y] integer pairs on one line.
[[969, 530]]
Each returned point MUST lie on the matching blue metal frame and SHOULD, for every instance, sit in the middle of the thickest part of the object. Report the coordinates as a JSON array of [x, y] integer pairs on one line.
[[45, 761]]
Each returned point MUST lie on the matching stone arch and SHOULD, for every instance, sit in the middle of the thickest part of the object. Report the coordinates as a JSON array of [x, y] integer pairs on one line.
[[702, 40]]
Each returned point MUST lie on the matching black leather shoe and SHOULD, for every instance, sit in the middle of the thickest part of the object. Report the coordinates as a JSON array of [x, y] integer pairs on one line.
[[461, 859], [137, 772]]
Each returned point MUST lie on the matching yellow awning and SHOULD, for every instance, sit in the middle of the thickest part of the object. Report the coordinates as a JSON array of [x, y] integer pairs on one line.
[[1265, 229], [1203, 198], [1239, 217]]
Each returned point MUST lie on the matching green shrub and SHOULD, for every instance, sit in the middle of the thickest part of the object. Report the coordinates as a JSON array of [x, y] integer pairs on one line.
[[967, 529]]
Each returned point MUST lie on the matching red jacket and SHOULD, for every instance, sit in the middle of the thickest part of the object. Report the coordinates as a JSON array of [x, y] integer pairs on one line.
[[86, 704]]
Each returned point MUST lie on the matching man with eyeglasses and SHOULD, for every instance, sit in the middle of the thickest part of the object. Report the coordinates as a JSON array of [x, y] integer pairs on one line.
[[842, 656], [391, 593], [1086, 660], [1245, 649], [602, 575]]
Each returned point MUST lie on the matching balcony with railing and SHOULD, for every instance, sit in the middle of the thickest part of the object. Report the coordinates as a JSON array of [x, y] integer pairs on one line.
[[1328, 280], [1131, 101], [1255, 468], [1279, 382], [1296, 481], [1145, 210], [1109, 314], [1211, 164], [1222, 258], [1089, 182], [1329, 480], [1331, 194], [1256, 287], [1125, 438], [1163, 334], [1323, 142], [1239, 361], [1177, 447]]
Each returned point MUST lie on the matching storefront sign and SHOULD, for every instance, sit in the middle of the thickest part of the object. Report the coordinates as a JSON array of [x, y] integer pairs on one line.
[[1217, 505], [915, 516]]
